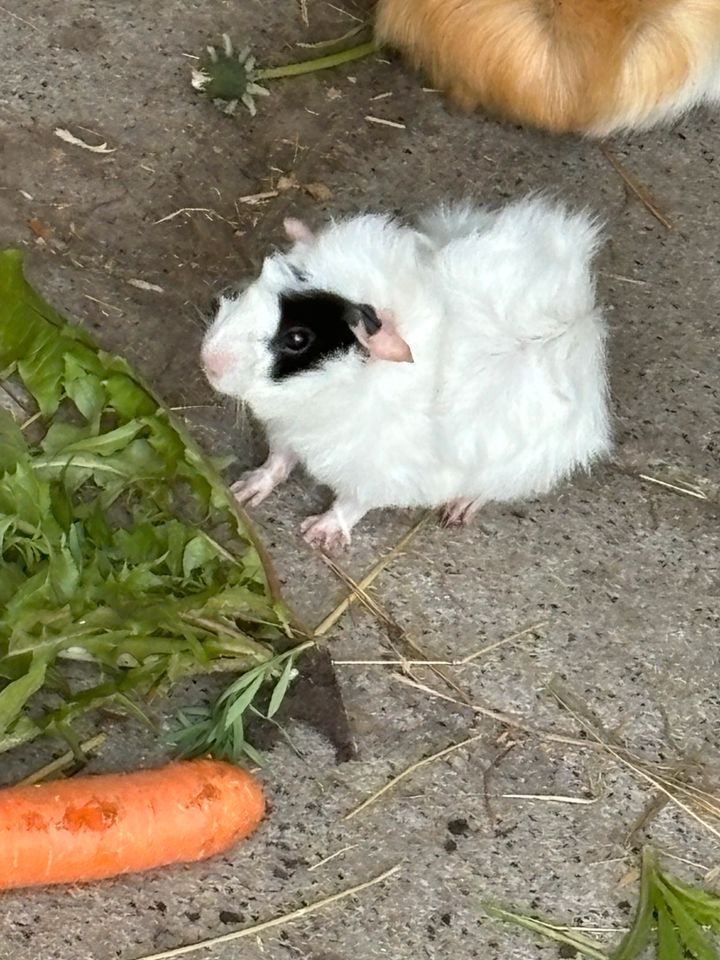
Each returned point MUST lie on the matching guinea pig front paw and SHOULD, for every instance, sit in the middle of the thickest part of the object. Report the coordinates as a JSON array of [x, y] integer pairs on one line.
[[325, 532], [458, 513], [254, 487]]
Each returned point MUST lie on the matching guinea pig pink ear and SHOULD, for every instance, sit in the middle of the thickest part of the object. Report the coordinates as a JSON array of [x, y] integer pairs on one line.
[[380, 338], [297, 231]]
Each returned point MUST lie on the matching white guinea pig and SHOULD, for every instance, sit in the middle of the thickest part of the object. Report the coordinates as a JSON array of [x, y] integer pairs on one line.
[[448, 364]]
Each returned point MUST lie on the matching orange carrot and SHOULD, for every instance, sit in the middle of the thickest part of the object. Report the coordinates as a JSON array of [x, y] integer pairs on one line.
[[101, 826]]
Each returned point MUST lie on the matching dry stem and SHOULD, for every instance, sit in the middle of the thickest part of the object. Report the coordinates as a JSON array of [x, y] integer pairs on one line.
[[411, 769], [275, 922]]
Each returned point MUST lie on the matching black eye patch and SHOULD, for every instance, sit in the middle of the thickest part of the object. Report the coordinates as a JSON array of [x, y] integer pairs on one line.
[[314, 326]]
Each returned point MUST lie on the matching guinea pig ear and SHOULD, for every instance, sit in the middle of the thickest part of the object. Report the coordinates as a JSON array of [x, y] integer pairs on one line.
[[376, 331], [297, 231]]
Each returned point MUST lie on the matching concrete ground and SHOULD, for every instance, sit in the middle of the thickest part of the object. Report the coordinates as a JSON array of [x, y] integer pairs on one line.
[[623, 573]]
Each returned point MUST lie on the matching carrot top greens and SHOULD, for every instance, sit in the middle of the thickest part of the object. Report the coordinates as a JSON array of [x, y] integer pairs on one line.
[[679, 918], [120, 546]]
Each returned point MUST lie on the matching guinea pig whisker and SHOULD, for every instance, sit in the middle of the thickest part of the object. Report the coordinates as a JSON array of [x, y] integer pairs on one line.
[[240, 416], [243, 423], [251, 431], [201, 320]]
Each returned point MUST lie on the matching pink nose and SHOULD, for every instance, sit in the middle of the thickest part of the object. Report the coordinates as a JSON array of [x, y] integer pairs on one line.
[[215, 362]]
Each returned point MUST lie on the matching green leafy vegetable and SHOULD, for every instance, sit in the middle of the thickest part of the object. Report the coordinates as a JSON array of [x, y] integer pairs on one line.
[[681, 917], [125, 564]]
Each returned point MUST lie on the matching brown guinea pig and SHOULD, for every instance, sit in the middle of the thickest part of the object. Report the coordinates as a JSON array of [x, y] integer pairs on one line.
[[587, 66]]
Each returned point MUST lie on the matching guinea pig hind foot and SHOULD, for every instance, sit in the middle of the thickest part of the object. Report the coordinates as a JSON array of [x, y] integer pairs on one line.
[[459, 513]]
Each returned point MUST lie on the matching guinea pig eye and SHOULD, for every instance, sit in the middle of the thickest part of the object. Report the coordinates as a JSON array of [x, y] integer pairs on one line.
[[297, 339]]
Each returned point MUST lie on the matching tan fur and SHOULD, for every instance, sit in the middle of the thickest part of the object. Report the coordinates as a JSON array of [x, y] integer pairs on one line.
[[591, 66]]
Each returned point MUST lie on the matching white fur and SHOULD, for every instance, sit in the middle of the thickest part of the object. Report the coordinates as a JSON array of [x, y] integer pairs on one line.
[[507, 394], [692, 23]]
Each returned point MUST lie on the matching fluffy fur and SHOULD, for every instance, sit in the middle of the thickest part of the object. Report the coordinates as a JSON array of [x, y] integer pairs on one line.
[[507, 392], [591, 66]]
